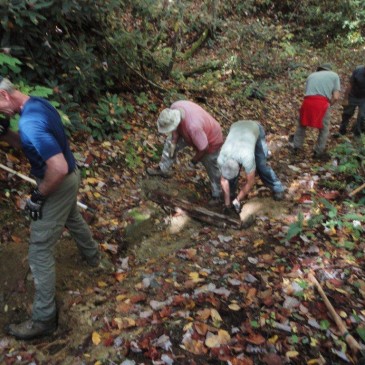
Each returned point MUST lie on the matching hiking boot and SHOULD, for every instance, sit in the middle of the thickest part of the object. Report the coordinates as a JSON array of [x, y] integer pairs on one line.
[[214, 202], [295, 150], [278, 196], [100, 261], [158, 172], [324, 156], [341, 132], [28, 330]]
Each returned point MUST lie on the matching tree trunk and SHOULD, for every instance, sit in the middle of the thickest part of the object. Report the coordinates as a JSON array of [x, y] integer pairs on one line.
[[211, 66], [214, 10]]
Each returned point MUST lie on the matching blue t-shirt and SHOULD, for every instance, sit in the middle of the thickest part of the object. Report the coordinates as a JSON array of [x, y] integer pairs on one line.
[[42, 135]]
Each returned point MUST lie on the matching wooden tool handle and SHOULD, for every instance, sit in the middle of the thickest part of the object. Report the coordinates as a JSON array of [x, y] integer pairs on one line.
[[357, 190], [355, 346], [33, 182]]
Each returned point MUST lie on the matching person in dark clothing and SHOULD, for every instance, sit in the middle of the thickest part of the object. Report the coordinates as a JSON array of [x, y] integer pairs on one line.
[[354, 98]]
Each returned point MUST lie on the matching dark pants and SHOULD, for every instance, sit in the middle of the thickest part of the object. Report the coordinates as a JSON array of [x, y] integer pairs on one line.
[[348, 112]]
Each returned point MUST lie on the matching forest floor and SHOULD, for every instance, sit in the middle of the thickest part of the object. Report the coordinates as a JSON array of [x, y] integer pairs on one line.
[[183, 292]]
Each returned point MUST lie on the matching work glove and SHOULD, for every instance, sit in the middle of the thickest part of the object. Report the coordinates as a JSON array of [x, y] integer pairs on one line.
[[4, 126], [34, 205], [236, 206], [227, 209]]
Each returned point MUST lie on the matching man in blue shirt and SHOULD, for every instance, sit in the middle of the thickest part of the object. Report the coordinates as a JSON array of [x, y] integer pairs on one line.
[[52, 205]]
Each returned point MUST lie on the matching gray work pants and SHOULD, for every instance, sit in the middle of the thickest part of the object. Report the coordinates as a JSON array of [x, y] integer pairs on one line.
[[320, 146], [59, 210], [209, 161]]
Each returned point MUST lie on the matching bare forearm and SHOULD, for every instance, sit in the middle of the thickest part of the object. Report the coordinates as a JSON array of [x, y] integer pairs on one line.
[[243, 192], [226, 191], [56, 171], [247, 187], [335, 97]]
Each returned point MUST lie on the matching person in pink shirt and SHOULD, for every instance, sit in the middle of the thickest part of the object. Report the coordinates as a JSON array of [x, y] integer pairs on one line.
[[188, 124]]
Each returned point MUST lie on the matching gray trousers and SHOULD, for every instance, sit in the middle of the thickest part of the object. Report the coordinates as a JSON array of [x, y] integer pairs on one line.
[[209, 161], [320, 146], [59, 210]]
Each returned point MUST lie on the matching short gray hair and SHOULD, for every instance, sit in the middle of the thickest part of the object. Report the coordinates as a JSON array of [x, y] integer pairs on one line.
[[230, 169], [6, 84]]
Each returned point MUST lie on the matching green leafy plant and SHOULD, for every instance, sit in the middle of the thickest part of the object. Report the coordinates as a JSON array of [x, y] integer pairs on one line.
[[296, 227], [142, 99], [132, 159], [9, 64], [110, 118]]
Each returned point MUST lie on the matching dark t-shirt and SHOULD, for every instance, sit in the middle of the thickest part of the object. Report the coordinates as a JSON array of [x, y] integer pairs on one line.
[[42, 135], [358, 82]]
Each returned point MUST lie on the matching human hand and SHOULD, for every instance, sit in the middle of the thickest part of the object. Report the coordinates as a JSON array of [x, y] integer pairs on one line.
[[4, 126], [34, 205], [236, 206]]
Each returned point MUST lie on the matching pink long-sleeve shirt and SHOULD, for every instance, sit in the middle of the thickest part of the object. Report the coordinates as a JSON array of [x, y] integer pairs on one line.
[[198, 128]]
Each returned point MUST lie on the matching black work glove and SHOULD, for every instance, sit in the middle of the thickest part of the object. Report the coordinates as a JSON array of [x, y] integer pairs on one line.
[[34, 205], [229, 211], [4, 126]]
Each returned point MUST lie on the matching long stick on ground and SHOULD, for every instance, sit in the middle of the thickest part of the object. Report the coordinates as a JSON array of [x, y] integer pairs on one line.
[[33, 182], [357, 190], [355, 346]]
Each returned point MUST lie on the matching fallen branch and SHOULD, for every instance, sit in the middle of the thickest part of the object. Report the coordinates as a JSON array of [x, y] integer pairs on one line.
[[357, 190], [195, 211], [211, 66], [354, 345], [196, 45]]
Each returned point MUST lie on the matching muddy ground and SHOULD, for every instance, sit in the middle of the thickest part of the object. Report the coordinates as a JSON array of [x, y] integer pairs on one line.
[[86, 297]]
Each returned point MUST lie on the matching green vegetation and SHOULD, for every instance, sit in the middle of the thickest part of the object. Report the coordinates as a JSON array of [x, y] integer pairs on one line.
[[116, 46]]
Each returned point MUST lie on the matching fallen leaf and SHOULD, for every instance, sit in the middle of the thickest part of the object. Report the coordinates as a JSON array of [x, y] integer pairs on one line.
[[120, 276], [124, 322], [256, 339], [272, 359], [290, 354], [234, 307], [215, 315], [96, 338], [201, 328], [222, 338]]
